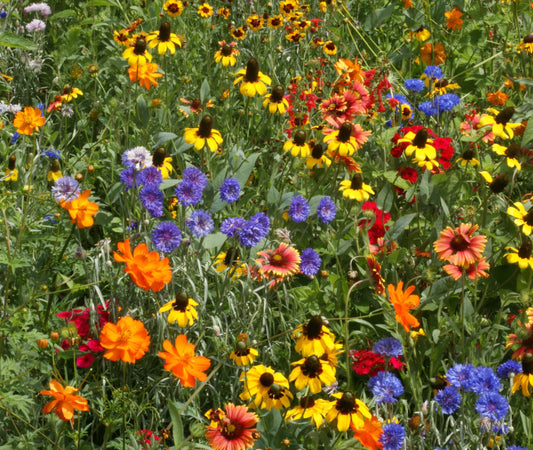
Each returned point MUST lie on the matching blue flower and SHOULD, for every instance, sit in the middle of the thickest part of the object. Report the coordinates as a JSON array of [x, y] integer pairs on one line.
[[388, 347], [166, 237], [433, 72], [484, 380], [461, 376], [150, 175], [232, 226], [326, 210], [299, 209], [386, 387], [516, 447], [428, 108], [449, 399], [129, 177], [15, 137], [200, 223], [254, 230], [446, 102], [137, 157], [393, 436], [65, 188], [230, 190], [196, 177], [53, 153], [492, 405], [414, 84], [188, 193], [152, 199], [509, 369], [310, 262], [3, 14]]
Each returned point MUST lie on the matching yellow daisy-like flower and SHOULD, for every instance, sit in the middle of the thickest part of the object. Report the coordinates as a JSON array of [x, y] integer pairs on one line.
[[205, 10], [468, 157], [522, 218], [182, 310], [313, 338], [317, 158], [526, 45], [173, 8], [122, 37], [275, 101], [204, 134], [496, 184], [243, 355], [522, 256], [341, 141], [419, 145], [440, 87], [355, 189], [347, 409], [224, 13], [11, 174], [137, 53], [511, 153], [309, 408], [525, 379], [162, 162], [54, 173], [252, 80], [277, 397], [255, 22], [295, 36], [69, 93], [406, 110], [230, 259], [298, 146], [227, 53], [312, 372], [164, 39], [275, 22], [238, 33], [421, 34], [329, 48], [500, 124], [257, 382], [288, 7]]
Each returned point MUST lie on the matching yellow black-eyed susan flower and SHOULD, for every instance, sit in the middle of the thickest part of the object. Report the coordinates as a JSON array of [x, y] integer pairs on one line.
[[521, 256], [511, 153], [164, 39], [243, 355], [419, 145], [312, 372], [298, 145], [55, 172], [421, 34], [309, 408], [277, 397], [526, 45], [317, 158], [313, 338], [295, 36], [522, 218], [257, 382], [355, 189], [498, 183], [137, 53], [162, 162], [347, 409], [252, 80], [238, 33], [227, 53], [205, 10], [230, 259], [500, 124], [468, 157], [11, 174], [525, 379], [275, 22], [275, 101], [173, 8], [329, 48], [182, 310], [341, 141], [204, 134], [70, 93], [255, 22]]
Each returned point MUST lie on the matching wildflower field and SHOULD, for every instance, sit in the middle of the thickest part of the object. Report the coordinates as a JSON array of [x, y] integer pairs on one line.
[[274, 225]]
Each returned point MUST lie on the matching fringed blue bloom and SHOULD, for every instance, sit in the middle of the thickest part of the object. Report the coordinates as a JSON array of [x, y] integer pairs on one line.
[[150, 175], [232, 226], [447, 102], [461, 376], [509, 369], [389, 347], [65, 188], [485, 379], [188, 193], [200, 223], [326, 210], [310, 262], [196, 177], [129, 178], [428, 108], [299, 209], [152, 199], [137, 157], [393, 436], [230, 190], [166, 237], [414, 84], [254, 230], [386, 387], [492, 405], [433, 72], [449, 399]]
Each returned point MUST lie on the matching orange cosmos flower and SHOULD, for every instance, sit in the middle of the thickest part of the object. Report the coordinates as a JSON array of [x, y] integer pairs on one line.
[[28, 120], [66, 401], [369, 433], [459, 246], [403, 302], [433, 54], [281, 262], [453, 19], [81, 210], [145, 74], [128, 340], [146, 269], [497, 98], [182, 362]]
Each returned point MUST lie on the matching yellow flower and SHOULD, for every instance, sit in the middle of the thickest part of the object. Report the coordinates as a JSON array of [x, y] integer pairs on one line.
[[164, 39], [137, 53], [298, 146], [174, 8], [420, 145], [313, 338], [525, 379], [230, 259], [347, 410], [496, 184], [205, 10], [317, 158], [258, 381], [204, 134], [421, 34], [510, 152], [312, 372], [226, 54], [522, 256], [182, 310], [522, 218], [243, 355], [526, 45], [275, 22], [11, 174], [162, 162], [329, 48], [28, 120], [275, 101], [145, 74], [252, 80], [255, 22], [500, 124], [54, 173], [309, 408], [355, 189], [277, 397], [69, 93], [468, 157], [238, 33], [341, 141]]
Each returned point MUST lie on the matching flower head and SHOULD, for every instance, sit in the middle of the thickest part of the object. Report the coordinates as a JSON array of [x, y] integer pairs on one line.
[[403, 302], [307, 408], [200, 223], [136, 53], [276, 101], [525, 379], [355, 189], [152, 199], [342, 141], [163, 39], [242, 354], [65, 189], [393, 436], [227, 53], [313, 338], [282, 261], [252, 80], [230, 190], [369, 433], [521, 256], [299, 209], [459, 246], [258, 381], [492, 405], [347, 410], [145, 74], [234, 430], [127, 340], [310, 262], [385, 387], [81, 210], [188, 193], [298, 145], [204, 135], [28, 120], [453, 19], [65, 401], [500, 122], [522, 218], [461, 376], [312, 372], [173, 8], [509, 369], [137, 158], [449, 399], [389, 347], [182, 310], [326, 210]]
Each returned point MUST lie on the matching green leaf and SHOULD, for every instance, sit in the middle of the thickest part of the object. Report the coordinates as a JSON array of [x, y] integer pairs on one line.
[[177, 425], [63, 14], [394, 178], [214, 240], [400, 225], [164, 137], [528, 134], [142, 112], [8, 39], [204, 90]]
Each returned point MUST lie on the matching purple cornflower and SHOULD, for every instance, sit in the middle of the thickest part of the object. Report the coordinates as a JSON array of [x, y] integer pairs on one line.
[[254, 230], [52, 153], [230, 190], [461, 376], [232, 226], [129, 177], [310, 262], [428, 108], [393, 436], [14, 138], [446, 102], [433, 72], [299, 209], [166, 237], [414, 84], [188, 193], [137, 157], [152, 199], [326, 210], [65, 188], [492, 405], [150, 175], [200, 223], [386, 387], [509, 369], [485, 379], [389, 347], [196, 177], [449, 399]]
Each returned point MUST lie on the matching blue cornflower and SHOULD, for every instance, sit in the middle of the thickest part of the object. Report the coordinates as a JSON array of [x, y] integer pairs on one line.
[[188, 193], [310, 262], [492, 405], [393, 436], [137, 157], [428, 108], [150, 175], [516, 447], [509, 369], [200, 223], [129, 177], [152, 199], [231, 226], [461, 376], [386, 387], [449, 399], [15, 137], [414, 84], [65, 188], [52, 153], [399, 97], [3, 14], [433, 72], [326, 210], [230, 190], [446, 102], [166, 237], [196, 177], [299, 209], [50, 218], [485, 379], [388, 346], [254, 230]]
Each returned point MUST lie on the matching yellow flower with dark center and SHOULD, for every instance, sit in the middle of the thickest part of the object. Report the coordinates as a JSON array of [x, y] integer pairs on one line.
[[355, 189], [496, 184], [313, 338], [312, 372], [468, 157], [238, 33], [341, 141], [275, 101], [298, 146], [230, 259], [421, 34], [11, 174], [275, 22], [526, 45], [331, 353], [28, 120], [137, 53], [288, 7], [500, 124], [330, 48], [257, 382], [295, 36], [255, 22], [441, 86], [347, 410], [317, 158], [309, 408], [277, 397], [243, 355], [164, 39], [226, 55], [54, 173], [522, 256], [406, 110], [252, 80], [522, 218], [223, 12], [182, 310], [69, 93], [122, 37], [174, 8], [205, 10], [162, 162], [525, 379], [511, 153], [204, 134], [420, 145]]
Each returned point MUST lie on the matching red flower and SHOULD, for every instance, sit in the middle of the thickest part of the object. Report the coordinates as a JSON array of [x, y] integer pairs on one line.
[[377, 226], [366, 362], [232, 431]]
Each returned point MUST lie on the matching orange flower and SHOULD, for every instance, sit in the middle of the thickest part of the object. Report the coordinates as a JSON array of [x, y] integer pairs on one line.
[[497, 98], [180, 360], [146, 269], [28, 120], [433, 54], [407, 4], [65, 401], [369, 433], [128, 340], [403, 302], [145, 74], [81, 210], [453, 19]]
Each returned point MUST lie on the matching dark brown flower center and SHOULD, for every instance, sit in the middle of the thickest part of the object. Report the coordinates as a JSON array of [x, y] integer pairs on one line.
[[525, 249], [226, 50], [421, 138], [12, 162], [159, 156], [307, 402], [180, 302], [345, 132], [232, 256], [346, 404], [231, 430], [275, 391], [318, 151], [206, 125], [266, 379], [441, 83], [275, 22], [499, 183], [312, 367], [252, 71], [299, 138], [527, 364], [437, 382], [459, 243], [357, 182], [313, 329], [241, 349], [468, 155], [504, 115], [277, 94], [140, 47], [55, 166], [528, 218], [528, 39], [512, 151], [330, 46], [164, 31]]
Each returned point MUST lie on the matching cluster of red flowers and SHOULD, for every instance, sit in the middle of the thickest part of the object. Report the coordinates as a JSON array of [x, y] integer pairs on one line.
[[81, 319], [366, 362], [147, 438], [376, 225]]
